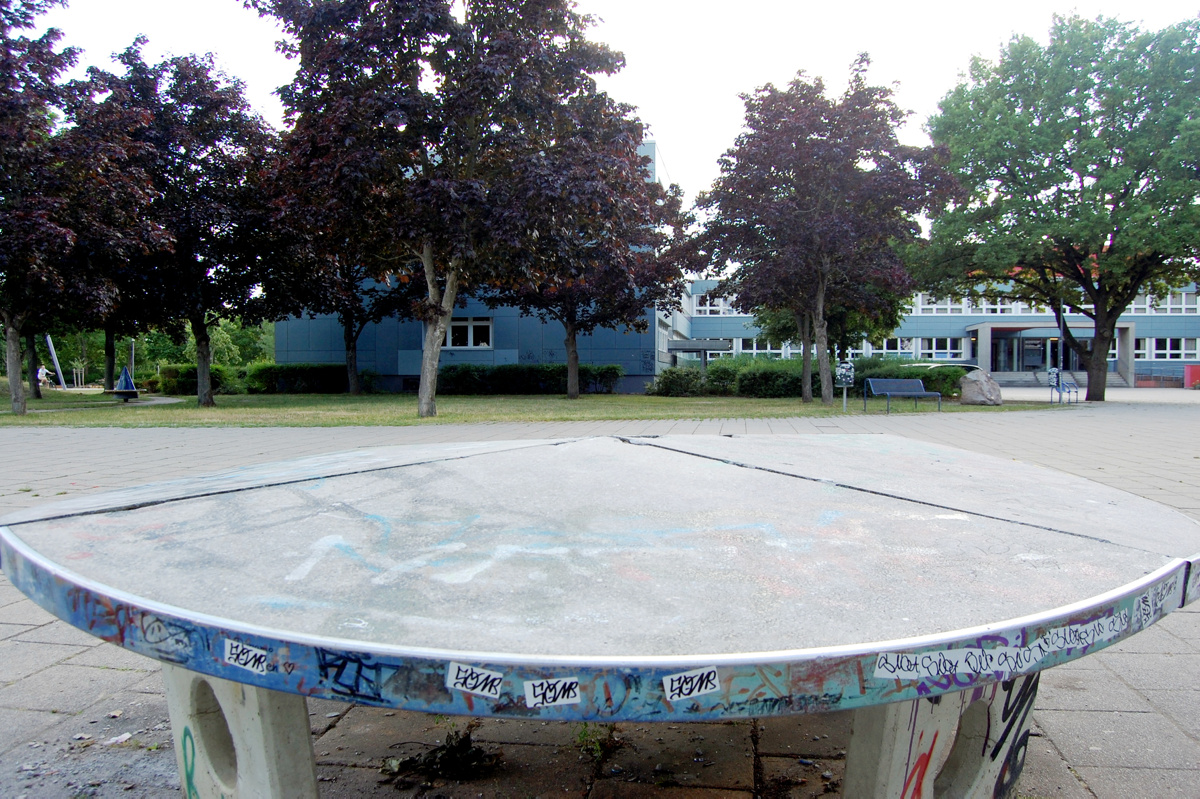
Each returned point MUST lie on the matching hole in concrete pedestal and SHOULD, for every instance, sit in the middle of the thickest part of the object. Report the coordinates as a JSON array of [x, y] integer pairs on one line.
[[967, 753], [212, 730]]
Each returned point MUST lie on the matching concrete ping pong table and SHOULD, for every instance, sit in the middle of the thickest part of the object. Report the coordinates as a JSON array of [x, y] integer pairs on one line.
[[608, 579]]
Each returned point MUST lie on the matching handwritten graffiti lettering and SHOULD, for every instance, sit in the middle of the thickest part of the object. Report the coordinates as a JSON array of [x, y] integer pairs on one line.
[[691, 683], [353, 676], [460, 677], [170, 641], [1000, 659], [244, 656], [544, 693], [1151, 605]]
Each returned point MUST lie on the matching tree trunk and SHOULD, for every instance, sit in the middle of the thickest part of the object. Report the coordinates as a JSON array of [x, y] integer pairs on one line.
[[110, 359], [35, 385], [350, 339], [805, 327], [821, 334], [1097, 362], [572, 361], [435, 330], [204, 391], [12, 361]]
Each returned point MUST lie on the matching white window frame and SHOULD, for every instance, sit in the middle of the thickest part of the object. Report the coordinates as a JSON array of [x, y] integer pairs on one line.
[[941, 348], [473, 325]]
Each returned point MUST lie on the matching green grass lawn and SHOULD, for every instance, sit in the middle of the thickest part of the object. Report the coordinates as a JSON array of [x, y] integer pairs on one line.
[[325, 410]]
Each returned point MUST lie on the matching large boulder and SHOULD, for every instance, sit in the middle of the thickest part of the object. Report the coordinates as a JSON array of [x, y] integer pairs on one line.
[[978, 388]]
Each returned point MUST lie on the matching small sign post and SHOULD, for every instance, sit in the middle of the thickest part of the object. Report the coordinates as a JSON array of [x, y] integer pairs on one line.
[[844, 378]]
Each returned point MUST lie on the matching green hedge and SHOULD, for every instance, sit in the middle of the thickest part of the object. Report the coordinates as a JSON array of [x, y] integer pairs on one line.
[[677, 381], [775, 378], [944, 379], [747, 376], [526, 378], [298, 378], [180, 378]]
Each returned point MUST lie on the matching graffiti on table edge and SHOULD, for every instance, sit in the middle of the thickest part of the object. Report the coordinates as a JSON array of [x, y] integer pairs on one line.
[[810, 684]]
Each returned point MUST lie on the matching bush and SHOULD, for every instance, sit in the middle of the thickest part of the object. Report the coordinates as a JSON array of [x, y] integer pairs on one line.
[[296, 378], [774, 378], [677, 381], [526, 378], [721, 376], [180, 379]]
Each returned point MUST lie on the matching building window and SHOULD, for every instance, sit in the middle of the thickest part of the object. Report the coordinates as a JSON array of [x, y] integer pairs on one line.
[[1166, 349], [1177, 302], [469, 332], [928, 304], [710, 305], [1174, 349], [761, 346], [942, 349]]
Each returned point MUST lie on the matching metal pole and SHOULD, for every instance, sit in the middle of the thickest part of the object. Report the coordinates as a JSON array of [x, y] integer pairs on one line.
[[1062, 340], [54, 357]]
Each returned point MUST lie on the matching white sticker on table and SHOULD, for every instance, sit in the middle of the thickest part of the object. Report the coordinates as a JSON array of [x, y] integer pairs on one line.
[[472, 680], [687, 684], [244, 656], [547, 693]]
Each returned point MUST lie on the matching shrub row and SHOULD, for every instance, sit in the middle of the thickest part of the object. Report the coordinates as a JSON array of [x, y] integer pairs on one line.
[[525, 378], [180, 378], [773, 377], [257, 378], [297, 378]]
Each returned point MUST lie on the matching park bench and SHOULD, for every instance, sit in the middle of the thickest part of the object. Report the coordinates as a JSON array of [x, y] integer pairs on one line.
[[897, 387]]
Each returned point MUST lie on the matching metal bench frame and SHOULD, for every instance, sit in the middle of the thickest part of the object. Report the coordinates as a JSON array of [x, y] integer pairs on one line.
[[897, 387]]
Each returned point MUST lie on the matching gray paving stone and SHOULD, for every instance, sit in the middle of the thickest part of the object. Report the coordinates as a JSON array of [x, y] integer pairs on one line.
[[1119, 740], [18, 660], [1183, 706], [1088, 690], [21, 727], [24, 612], [58, 632], [66, 689], [1046, 774], [1183, 624], [1162, 672], [546, 733], [809, 736], [8, 594], [111, 656], [615, 789], [13, 630], [685, 755], [1159, 639], [365, 736], [790, 777], [1126, 783]]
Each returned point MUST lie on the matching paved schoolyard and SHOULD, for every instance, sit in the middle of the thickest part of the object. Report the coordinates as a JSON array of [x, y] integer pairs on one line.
[[1122, 723]]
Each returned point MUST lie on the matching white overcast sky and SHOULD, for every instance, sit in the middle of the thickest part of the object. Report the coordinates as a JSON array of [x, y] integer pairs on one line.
[[687, 60]]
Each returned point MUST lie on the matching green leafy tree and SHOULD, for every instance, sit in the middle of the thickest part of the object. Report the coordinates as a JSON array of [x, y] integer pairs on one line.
[[581, 215], [464, 89], [1081, 160], [206, 154], [811, 200], [70, 197]]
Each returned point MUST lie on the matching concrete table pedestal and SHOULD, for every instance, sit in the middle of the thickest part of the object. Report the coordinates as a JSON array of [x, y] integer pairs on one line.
[[614, 579], [968, 744], [238, 741]]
